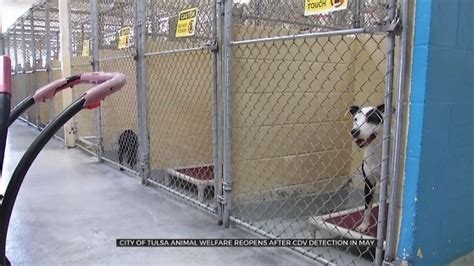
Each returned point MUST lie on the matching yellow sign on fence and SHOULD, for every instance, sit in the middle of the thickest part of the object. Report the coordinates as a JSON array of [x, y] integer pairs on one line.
[[313, 7], [186, 23], [124, 37], [86, 48]]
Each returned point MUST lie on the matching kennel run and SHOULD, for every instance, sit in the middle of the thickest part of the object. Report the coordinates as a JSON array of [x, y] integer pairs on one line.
[[246, 116]]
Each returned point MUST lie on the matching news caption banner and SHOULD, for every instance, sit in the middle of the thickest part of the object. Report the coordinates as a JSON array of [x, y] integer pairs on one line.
[[128, 242]]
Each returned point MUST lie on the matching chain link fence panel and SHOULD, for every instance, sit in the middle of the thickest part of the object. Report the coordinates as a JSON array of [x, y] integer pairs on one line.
[[85, 121], [296, 170], [180, 100], [119, 123], [180, 104]]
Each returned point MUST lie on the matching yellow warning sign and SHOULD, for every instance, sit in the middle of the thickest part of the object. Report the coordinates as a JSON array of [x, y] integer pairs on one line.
[[124, 37], [186, 23], [313, 7], [86, 48]]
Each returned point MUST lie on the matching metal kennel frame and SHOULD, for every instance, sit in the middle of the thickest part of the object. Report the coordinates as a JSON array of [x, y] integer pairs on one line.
[[259, 94], [283, 41]]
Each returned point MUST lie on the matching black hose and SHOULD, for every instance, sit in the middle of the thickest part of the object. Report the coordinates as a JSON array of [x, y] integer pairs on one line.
[[20, 108], [26, 161], [4, 119]]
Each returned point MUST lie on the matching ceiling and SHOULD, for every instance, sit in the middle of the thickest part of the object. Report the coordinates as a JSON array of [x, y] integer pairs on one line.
[[12, 9]]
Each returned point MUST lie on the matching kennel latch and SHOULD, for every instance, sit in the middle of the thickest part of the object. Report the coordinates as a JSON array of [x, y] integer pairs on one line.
[[210, 45], [221, 200], [387, 26]]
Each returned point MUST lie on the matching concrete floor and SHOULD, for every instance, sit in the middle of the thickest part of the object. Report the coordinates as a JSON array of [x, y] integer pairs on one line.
[[71, 209]]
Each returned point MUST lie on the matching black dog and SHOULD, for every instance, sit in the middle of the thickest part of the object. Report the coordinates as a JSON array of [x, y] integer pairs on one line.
[[128, 145]]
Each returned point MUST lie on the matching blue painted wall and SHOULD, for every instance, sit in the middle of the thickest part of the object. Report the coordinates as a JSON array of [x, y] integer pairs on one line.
[[438, 201]]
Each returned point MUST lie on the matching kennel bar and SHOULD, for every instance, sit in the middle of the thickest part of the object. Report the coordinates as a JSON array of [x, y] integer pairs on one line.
[[96, 67], [302, 36], [15, 51], [175, 51], [389, 75], [228, 99], [33, 63], [276, 20], [114, 58], [142, 105], [49, 19], [23, 64], [23, 46], [218, 109], [391, 237]]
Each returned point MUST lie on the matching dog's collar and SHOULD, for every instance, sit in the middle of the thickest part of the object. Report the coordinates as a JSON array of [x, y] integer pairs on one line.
[[367, 142], [371, 138]]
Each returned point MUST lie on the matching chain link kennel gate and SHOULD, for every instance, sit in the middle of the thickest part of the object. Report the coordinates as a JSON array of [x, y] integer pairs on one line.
[[118, 134], [293, 170], [181, 78]]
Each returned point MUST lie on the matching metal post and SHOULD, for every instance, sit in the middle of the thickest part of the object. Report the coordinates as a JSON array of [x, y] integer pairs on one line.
[[361, 14], [58, 44], [142, 104], [33, 64], [218, 108], [356, 16], [47, 34], [154, 23], [23, 57], [395, 178], [386, 136], [15, 48], [96, 67], [258, 7], [81, 44], [70, 133], [23, 47], [227, 184]]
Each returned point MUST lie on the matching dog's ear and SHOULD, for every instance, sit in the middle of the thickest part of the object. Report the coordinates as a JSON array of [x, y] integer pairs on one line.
[[353, 110], [381, 108]]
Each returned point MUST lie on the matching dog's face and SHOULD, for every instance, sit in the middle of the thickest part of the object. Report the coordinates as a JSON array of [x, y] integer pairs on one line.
[[367, 123]]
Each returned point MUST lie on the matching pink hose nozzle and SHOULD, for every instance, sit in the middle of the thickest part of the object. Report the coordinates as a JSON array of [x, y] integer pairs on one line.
[[113, 80], [104, 89]]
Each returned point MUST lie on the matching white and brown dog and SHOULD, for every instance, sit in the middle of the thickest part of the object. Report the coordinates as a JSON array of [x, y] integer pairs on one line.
[[367, 129]]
